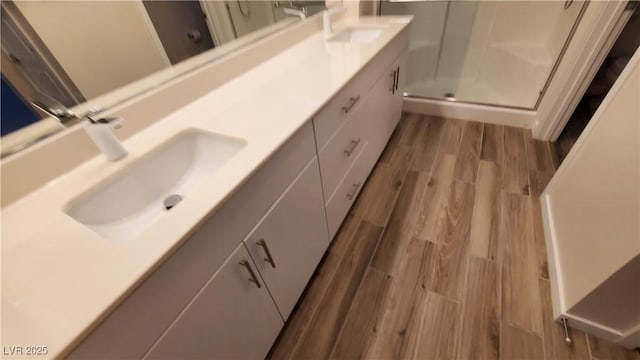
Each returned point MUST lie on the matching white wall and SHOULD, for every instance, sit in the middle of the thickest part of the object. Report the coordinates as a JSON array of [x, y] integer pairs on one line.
[[102, 45]]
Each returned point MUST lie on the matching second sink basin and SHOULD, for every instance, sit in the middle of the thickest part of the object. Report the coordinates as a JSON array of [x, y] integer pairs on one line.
[[127, 203], [357, 35]]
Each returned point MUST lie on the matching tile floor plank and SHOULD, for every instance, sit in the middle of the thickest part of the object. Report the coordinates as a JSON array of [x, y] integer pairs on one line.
[[519, 344], [469, 152], [378, 196], [400, 228], [406, 137], [448, 274], [290, 337], [451, 137], [538, 154], [487, 210], [492, 143], [424, 152], [480, 337], [365, 316], [436, 198], [438, 329], [515, 173], [398, 333], [327, 322], [520, 293]]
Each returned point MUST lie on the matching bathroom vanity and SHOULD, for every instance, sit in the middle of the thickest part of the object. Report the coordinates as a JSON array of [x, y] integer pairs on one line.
[[217, 275]]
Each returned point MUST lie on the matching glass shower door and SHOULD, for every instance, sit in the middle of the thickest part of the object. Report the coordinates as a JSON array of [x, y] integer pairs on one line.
[[486, 52]]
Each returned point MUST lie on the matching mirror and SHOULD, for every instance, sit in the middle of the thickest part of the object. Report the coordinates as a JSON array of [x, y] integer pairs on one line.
[[58, 55]]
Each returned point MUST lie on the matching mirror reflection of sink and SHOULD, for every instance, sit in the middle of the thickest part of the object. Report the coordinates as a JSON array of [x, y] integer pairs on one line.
[[357, 35], [129, 202]]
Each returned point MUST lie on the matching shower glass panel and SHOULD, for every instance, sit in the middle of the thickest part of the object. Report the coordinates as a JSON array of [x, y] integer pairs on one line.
[[485, 52]]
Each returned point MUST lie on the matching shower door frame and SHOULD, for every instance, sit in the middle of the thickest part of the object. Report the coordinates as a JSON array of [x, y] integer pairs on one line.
[[599, 26]]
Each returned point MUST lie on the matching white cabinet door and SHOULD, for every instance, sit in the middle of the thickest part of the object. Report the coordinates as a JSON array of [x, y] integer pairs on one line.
[[382, 109], [401, 74], [591, 213], [231, 317], [290, 240]]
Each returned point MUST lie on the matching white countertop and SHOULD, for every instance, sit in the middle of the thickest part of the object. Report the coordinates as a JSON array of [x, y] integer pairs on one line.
[[59, 278]]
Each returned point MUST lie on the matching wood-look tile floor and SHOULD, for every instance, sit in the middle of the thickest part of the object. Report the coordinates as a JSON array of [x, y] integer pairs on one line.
[[442, 256]]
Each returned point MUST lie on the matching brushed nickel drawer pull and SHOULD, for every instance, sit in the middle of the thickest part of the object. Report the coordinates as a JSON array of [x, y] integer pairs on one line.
[[269, 258], [354, 191], [253, 278], [353, 100], [351, 149]]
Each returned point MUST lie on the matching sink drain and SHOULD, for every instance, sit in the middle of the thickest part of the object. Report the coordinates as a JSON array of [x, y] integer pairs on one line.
[[171, 201]]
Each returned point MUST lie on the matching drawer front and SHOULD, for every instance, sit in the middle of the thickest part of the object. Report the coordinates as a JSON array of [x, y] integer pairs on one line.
[[332, 116], [230, 318], [336, 112], [167, 291], [340, 153], [348, 189], [290, 240]]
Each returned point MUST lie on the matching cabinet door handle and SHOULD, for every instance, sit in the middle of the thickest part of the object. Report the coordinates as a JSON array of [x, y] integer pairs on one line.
[[253, 278], [353, 100], [354, 191], [393, 82], [352, 147], [397, 79], [269, 258]]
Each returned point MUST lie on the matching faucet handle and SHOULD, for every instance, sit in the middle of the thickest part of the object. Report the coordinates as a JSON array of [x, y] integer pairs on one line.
[[114, 122]]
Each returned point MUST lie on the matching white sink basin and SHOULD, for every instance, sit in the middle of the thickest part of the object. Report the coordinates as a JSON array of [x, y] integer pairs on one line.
[[127, 203], [357, 35]]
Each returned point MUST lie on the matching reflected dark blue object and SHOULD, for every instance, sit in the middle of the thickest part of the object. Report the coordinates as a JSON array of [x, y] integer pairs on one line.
[[14, 113]]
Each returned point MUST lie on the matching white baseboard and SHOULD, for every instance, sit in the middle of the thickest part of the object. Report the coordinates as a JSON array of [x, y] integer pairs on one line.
[[474, 112]]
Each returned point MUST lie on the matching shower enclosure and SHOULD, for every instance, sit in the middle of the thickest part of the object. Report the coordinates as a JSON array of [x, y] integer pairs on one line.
[[499, 53]]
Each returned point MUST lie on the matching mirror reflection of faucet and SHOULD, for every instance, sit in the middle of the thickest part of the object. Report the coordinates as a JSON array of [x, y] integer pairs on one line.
[[295, 12]]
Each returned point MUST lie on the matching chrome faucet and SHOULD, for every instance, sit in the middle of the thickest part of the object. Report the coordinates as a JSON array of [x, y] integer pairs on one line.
[[101, 132], [326, 18]]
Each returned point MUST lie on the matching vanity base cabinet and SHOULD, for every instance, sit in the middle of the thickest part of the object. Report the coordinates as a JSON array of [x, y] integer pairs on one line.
[[290, 240], [155, 304], [353, 150], [200, 303], [231, 317]]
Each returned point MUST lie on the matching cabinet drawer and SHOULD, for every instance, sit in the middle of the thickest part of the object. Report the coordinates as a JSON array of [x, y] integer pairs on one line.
[[340, 153], [332, 116], [230, 318], [290, 240], [336, 112], [344, 196], [166, 292]]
